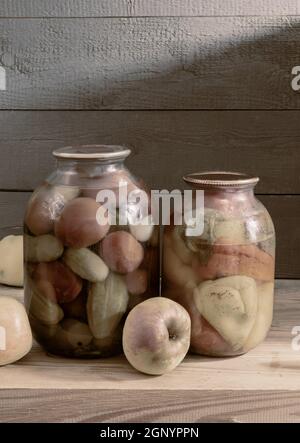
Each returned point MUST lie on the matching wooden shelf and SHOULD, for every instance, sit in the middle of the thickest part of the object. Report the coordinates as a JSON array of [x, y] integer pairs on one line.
[[263, 385]]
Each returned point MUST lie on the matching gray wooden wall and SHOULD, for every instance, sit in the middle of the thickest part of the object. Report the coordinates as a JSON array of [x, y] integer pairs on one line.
[[188, 84]]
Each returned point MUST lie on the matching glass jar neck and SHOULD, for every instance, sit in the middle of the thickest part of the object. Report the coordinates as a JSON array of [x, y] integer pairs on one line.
[[231, 201], [85, 173], [89, 167], [230, 192]]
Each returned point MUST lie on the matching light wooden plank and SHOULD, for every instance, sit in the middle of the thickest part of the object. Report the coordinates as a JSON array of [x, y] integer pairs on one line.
[[150, 63], [285, 211], [110, 406], [271, 367], [166, 145], [166, 405], [16, 293], [129, 8]]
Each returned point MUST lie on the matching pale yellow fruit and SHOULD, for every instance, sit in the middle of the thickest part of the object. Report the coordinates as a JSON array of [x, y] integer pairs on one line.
[[175, 270], [211, 219], [44, 248], [15, 332], [86, 264], [11, 263], [43, 308], [180, 248], [107, 303], [229, 304], [143, 230], [232, 231], [264, 316]]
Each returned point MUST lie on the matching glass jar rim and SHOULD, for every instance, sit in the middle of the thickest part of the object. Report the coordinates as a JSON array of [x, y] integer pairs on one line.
[[90, 152], [221, 179]]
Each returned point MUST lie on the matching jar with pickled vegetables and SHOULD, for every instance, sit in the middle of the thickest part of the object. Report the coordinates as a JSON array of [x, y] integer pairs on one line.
[[87, 263], [225, 276]]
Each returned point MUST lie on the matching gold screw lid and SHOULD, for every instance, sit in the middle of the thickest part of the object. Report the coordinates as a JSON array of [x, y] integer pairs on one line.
[[220, 179]]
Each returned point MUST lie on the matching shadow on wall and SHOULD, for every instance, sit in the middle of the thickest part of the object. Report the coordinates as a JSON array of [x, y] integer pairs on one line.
[[158, 67]]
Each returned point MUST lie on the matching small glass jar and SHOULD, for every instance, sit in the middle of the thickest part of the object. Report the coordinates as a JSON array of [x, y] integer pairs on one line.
[[224, 277], [88, 264]]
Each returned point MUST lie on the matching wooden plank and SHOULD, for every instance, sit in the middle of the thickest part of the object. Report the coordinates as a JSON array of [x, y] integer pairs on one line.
[[87, 406], [16, 293], [271, 367], [179, 405], [12, 207], [166, 145], [131, 8], [285, 211], [150, 63]]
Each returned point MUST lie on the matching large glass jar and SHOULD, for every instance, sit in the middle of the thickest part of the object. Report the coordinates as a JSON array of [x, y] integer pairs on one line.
[[87, 264], [224, 277]]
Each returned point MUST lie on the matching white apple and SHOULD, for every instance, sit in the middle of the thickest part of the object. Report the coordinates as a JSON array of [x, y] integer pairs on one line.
[[15, 332], [156, 335], [11, 267]]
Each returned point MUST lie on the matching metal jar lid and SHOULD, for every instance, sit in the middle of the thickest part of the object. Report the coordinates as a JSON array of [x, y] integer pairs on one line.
[[220, 179], [86, 152]]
